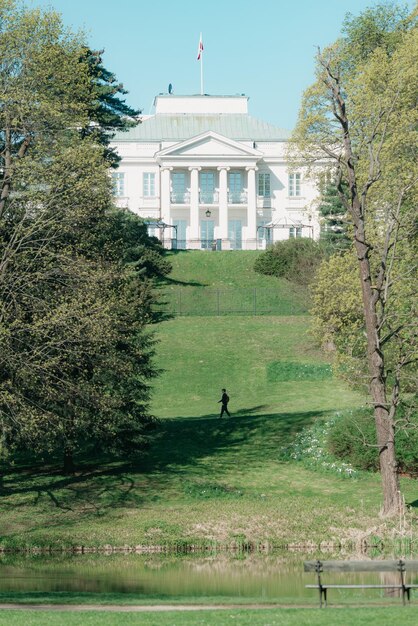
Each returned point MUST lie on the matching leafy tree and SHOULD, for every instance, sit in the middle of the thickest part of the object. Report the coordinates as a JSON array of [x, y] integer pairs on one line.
[[34, 48], [75, 290], [361, 114]]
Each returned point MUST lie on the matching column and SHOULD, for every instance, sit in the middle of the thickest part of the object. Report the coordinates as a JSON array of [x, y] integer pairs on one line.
[[194, 208], [165, 194], [165, 205], [251, 209], [223, 207]]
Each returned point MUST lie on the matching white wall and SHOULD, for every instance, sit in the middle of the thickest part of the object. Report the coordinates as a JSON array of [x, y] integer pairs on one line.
[[138, 158]]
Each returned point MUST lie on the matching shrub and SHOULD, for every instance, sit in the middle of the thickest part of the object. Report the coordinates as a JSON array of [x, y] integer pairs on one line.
[[352, 438], [294, 259], [309, 447]]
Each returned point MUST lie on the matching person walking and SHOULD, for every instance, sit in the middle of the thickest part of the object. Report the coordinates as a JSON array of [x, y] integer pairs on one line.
[[224, 400]]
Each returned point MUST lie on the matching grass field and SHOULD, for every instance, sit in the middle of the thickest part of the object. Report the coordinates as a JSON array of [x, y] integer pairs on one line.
[[407, 616], [229, 269], [216, 283], [207, 480]]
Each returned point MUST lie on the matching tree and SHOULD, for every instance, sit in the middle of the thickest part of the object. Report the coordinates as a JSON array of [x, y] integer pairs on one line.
[[40, 74], [75, 290], [107, 112], [361, 114]]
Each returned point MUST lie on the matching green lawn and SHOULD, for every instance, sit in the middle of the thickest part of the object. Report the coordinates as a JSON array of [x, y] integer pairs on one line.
[[199, 356], [407, 616], [218, 282], [222, 269], [206, 480]]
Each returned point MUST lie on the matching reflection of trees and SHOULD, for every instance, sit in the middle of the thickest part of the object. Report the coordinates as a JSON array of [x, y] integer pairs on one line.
[[391, 578]]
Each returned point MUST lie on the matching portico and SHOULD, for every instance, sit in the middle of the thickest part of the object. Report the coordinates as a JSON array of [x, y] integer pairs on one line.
[[209, 182]]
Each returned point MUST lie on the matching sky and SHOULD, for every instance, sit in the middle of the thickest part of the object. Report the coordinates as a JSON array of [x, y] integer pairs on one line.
[[264, 50]]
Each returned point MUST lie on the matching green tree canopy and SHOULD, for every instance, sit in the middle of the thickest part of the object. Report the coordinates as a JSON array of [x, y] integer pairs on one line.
[[75, 274], [360, 117]]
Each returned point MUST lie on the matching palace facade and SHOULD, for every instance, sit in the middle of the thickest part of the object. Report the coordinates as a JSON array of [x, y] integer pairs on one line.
[[205, 175]]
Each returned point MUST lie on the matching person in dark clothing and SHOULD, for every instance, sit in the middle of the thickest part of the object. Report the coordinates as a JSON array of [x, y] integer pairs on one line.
[[224, 400]]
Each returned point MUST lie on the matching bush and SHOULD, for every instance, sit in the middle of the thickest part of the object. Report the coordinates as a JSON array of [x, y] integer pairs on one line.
[[309, 447], [352, 438], [294, 259]]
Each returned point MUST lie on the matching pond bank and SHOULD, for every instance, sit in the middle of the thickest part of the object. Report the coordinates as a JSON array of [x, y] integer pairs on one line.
[[363, 546]]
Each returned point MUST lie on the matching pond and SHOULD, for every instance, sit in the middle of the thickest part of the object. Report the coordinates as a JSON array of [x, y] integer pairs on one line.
[[199, 578]]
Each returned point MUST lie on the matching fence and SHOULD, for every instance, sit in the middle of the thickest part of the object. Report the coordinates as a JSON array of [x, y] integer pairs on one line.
[[207, 301]]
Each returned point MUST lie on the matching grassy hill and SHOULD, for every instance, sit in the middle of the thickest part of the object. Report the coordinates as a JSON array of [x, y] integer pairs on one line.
[[208, 480], [223, 269], [205, 282]]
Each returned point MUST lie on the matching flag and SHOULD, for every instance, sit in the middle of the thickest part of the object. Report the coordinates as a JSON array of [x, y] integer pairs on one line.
[[200, 48]]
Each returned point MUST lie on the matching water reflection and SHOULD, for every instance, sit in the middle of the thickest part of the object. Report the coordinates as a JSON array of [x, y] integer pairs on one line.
[[256, 577]]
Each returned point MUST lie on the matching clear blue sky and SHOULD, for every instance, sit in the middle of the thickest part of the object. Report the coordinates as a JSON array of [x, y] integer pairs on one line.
[[263, 49]]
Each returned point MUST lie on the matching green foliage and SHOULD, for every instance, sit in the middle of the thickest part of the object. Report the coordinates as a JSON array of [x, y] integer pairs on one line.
[[280, 371], [334, 219], [337, 310], [123, 236], [338, 321], [75, 275], [310, 448], [294, 259], [380, 27], [146, 500], [352, 436], [106, 111]]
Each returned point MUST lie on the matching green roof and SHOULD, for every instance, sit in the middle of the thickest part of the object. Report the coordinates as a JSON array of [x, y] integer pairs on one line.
[[179, 127]]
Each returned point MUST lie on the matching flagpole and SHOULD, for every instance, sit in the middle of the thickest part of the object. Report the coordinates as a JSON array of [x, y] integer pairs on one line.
[[201, 68]]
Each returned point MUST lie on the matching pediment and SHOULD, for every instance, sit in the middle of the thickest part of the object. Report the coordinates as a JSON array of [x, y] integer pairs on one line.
[[209, 145]]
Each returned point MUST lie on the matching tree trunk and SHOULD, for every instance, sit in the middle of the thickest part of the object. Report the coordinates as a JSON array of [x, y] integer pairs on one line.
[[6, 183], [385, 427], [69, 467]]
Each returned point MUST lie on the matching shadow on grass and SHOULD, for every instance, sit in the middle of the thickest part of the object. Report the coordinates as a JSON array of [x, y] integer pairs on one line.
[[243, 437], [183, 283], [185, 448]]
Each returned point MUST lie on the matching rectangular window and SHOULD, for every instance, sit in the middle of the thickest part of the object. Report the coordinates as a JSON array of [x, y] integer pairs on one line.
[[235, 234], [148, 179], [178, 187], [207, 187], [179, 234], [118, 182], [235, 187], [264, 185], [294, 184], [207, 230], [295, 232]]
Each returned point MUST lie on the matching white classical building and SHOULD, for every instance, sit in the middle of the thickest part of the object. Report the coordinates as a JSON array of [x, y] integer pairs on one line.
[[206, 174]]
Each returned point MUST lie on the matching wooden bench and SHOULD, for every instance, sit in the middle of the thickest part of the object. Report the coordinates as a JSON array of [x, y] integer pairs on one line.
[[401, 566]]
